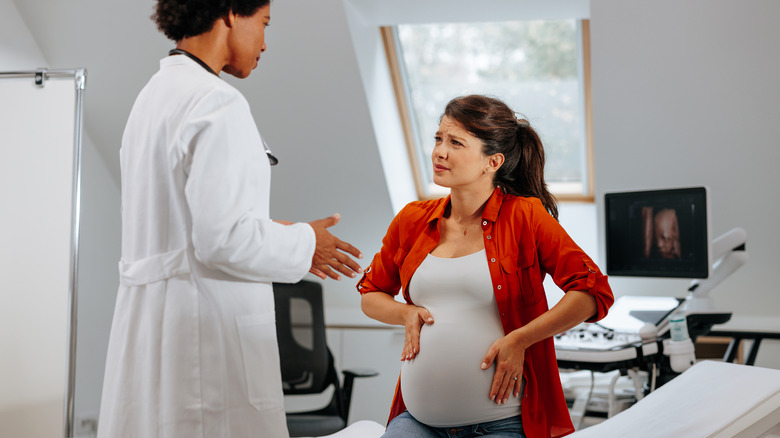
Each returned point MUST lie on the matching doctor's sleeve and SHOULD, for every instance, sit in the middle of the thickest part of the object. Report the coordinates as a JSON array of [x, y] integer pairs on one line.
[[227, 192]]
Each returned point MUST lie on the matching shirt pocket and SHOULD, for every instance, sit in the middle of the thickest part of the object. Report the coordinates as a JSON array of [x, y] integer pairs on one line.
[[522, 276], [260, 353], [399, 256]]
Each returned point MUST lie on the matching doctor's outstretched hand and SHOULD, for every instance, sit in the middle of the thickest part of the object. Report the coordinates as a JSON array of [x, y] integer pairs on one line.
[[332, 253]]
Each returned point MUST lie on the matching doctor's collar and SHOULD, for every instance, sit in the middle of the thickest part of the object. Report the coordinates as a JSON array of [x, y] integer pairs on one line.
[[178, 51], [271, 157]]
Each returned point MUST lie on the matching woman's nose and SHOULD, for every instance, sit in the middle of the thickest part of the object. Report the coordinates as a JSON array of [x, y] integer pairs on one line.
[[438, 151]]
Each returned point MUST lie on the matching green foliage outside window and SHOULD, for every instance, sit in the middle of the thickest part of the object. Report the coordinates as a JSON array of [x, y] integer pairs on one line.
[[534, 66]]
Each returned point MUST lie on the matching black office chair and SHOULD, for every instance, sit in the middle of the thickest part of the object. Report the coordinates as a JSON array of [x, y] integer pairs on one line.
[[307, 363]]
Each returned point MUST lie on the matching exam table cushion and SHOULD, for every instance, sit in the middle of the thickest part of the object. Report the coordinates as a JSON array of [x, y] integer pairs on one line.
[[360, 429], [710, 399]]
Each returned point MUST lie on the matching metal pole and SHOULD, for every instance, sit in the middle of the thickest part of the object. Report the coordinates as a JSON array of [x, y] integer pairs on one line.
[[70, 386]]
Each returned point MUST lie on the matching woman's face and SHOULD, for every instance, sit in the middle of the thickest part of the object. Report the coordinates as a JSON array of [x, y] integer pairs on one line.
[[246, 42], [457, 157]]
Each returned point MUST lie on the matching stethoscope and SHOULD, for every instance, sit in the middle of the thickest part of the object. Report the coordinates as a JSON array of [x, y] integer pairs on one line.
[[271, 157]]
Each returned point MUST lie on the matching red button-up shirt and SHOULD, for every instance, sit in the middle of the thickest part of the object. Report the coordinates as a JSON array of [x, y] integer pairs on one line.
[[523, 243]]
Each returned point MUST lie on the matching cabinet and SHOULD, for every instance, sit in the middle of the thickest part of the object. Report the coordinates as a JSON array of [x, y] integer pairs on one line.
[[715, 347]]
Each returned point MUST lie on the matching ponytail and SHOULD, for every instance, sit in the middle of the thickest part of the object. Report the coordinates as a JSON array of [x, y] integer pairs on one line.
[[525, 175]]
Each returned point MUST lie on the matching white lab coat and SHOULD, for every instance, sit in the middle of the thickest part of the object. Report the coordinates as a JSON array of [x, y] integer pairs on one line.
[[193, 348]]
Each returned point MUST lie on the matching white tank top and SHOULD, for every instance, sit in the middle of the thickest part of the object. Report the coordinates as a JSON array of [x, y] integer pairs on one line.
[[444, 385]]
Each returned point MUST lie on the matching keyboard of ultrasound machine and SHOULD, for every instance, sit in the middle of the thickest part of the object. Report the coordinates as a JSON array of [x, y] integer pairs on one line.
[[595, 338]]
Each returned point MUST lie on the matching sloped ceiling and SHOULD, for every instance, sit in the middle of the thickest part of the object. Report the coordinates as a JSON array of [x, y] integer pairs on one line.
[[120, 46], [117, 43]]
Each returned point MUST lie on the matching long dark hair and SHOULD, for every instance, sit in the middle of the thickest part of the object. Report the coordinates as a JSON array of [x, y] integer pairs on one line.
[[493, 122], [179, 19]]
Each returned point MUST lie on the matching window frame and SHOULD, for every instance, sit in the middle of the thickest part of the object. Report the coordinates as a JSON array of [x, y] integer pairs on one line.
[[397, 77]]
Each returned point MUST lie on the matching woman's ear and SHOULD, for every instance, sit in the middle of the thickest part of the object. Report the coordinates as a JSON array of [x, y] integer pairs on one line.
[[495, 161]]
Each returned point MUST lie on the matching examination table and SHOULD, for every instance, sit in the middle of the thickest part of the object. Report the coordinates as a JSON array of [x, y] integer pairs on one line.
[[710, 399], [360, 429]]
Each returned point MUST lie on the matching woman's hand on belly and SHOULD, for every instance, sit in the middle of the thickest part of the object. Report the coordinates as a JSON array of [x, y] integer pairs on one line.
[[414, 320], [509, 354]]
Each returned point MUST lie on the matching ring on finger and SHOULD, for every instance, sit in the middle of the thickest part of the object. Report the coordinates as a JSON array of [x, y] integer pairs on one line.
[[514, 378]]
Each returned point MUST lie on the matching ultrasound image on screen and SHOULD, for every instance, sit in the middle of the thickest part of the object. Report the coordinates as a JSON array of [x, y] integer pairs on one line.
[[660, 233]]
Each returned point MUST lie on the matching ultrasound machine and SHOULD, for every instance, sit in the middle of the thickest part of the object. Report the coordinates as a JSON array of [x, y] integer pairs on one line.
[[663, 234]]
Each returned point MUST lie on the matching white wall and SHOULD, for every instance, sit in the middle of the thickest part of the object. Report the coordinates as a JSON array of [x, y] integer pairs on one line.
[[685, 93], [100, 226], [17, 45], [98, 275]]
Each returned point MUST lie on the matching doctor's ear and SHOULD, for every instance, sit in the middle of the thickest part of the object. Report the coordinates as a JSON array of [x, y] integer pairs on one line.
[[229, 19]]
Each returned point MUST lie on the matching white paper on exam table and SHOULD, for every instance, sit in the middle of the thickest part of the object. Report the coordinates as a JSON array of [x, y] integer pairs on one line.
[[359, 429], [710, 399]]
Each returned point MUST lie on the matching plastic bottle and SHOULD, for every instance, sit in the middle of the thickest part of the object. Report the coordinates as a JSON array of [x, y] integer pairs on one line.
[[680, 347], [678, 327]]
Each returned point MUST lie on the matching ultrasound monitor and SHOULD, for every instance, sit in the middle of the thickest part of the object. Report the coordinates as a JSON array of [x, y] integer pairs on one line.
[[658, 233]]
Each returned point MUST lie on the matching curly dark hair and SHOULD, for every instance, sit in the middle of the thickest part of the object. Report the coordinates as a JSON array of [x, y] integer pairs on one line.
[[179, 19]]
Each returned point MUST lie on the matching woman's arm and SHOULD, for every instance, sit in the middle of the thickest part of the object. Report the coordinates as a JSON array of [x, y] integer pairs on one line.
[[384, 308], [570, 268], [509, 352], [572, 309]]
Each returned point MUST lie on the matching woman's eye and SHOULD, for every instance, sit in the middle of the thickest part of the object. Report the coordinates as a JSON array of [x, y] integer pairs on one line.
[[437, 139], [457, 143]]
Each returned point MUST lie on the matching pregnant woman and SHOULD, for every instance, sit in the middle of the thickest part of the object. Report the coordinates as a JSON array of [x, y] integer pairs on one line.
[[478, 355]]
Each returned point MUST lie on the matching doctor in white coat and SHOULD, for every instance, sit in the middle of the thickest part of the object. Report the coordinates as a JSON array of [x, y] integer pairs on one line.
[[193, 348]]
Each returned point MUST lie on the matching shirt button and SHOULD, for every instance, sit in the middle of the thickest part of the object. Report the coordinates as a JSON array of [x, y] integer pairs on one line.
[[499, 287], [493, 260], [488, 236], [484, 222]]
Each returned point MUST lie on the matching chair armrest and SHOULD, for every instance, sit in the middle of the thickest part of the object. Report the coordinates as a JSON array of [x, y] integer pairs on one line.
[[346, 388], [359, 372]]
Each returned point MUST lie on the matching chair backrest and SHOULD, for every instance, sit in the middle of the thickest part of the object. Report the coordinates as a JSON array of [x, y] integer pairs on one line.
[[300, 330]]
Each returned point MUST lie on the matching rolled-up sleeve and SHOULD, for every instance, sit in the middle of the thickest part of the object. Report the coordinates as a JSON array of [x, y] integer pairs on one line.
[[570, 267], [383, 274]]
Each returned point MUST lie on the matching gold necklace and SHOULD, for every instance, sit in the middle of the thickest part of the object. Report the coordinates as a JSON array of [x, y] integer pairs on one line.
[[461, 226]]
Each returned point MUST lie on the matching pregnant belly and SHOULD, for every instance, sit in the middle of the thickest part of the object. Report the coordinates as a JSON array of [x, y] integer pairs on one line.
[[444, 384]]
